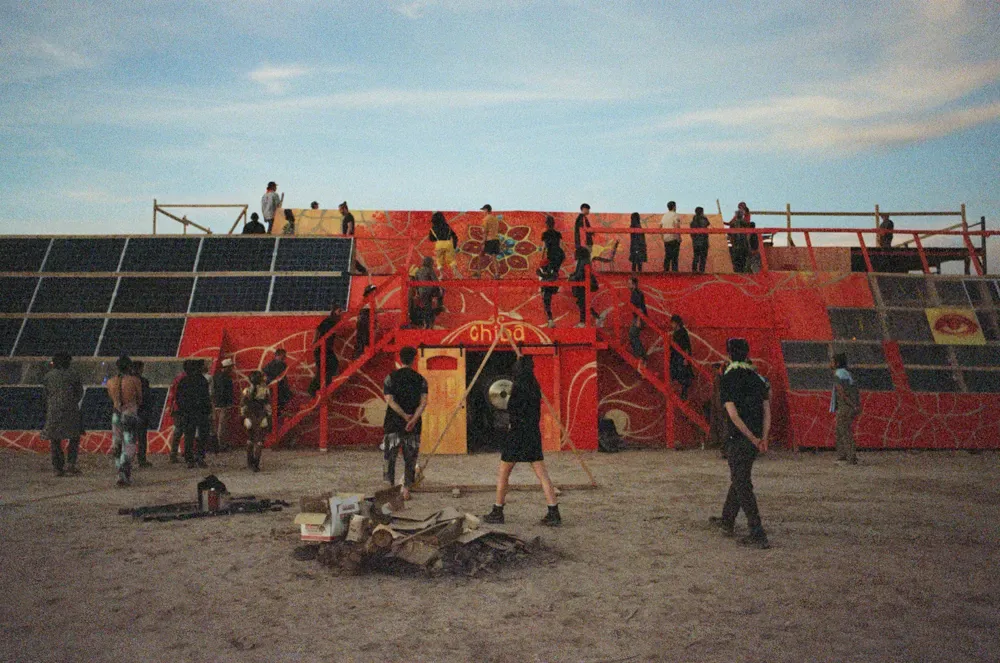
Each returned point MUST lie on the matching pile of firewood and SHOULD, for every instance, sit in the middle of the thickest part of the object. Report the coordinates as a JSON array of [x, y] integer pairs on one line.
[[446, 541]]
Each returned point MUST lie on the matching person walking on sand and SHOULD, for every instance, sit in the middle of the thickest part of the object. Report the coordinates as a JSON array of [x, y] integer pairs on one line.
[[125, 392], [523, 444], [63, 392], [255, 408], [746, 396], [845, 403], [405, 399]]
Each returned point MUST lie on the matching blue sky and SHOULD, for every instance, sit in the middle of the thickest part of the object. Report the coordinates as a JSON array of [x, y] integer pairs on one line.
[[447, 104]]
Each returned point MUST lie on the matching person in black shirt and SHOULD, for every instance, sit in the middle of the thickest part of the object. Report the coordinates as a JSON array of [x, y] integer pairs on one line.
[[637, 244], [255, 227], [272, 371], [347, 228], [524, 443], [362, 333], [885, 239], [327, 347], [638, 300], [145, 415], [579, 292], [582, 221], [195, 405], [746, 397], [699, 241], [552, 245], [680, 369], [223, 402], [405, 399]]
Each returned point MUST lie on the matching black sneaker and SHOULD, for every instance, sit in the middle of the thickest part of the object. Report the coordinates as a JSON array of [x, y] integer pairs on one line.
[[494, 517], [145, 463], [59, 473], [758, 541], [727, 529], [73, 470], [552, 518]]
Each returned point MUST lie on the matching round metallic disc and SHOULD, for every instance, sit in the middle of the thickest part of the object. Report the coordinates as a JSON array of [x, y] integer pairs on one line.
[[499, 393]]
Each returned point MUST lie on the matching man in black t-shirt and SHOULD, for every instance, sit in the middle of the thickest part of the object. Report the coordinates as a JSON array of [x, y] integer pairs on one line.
[[347, 228], [405, 401], [746, 398]]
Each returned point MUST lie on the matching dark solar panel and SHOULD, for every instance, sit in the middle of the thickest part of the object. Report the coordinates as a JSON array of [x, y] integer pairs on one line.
[[153, 295], [21, 254], [96, 408], [978, 355], [8, 333], [236, 254], [85, 255], [979, 292], [236, 294], [803, 352], [861, 353], [924, 355], [74, 295], [328, 254], [931, 380], [309, 293], [855, 324], [22, 408], [988, 323], [952, 293], [15, 293], [982, 382], [142, 337], [160, 254], [908, 325], [872, 379], [903, 291], [43, 337]]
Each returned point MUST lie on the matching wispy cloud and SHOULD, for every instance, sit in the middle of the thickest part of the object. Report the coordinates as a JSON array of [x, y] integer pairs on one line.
[[276, 79], [415, 9]]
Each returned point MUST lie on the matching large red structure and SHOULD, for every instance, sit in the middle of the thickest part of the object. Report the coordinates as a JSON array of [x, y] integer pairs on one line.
[[924, 347]]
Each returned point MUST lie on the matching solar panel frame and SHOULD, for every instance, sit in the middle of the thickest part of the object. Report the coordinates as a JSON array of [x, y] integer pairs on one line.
[[74, 294], [140, 294], [309, 293], [92, 254], [160, 254], [236, 254], [17, 292], [9, 329], [43, 337], [231, 294], [23, 254], [142, 337], [313, 254], [22, 408]]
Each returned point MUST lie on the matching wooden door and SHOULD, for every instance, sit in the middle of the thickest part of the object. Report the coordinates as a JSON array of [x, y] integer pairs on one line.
[[444, 369]]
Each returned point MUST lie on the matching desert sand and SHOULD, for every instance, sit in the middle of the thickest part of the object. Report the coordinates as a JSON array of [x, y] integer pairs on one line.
[[893, 560]]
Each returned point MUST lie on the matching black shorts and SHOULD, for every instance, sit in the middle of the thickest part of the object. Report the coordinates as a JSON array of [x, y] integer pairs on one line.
[[492, 247]]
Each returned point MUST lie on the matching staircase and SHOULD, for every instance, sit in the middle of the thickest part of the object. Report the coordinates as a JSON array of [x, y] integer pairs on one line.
[[321, 401]]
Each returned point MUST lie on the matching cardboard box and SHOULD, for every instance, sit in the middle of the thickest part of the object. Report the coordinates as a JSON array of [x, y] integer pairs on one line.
[[314, 526], [342, 507]]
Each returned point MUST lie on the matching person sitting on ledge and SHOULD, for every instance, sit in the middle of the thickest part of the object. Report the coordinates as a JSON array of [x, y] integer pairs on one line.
[[885, 239], [254, 227]]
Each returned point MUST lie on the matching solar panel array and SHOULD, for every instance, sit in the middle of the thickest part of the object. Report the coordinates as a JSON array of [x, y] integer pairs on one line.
[[87, 295], [23, 408]]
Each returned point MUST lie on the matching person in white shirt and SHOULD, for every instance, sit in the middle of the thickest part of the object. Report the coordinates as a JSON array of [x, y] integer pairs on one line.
[[671, 241], [269, 203]]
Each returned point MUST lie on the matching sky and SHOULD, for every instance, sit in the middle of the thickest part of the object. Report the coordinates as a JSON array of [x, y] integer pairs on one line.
[[531, 105]]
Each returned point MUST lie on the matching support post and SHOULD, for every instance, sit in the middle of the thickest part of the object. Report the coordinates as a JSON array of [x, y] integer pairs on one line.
[[982, 240], [760, 249], [920, 252], [586, 293], [324, 420], [864, 253], [877, 216], [788, 222], [812, 253], [154, 216], [668, 428]]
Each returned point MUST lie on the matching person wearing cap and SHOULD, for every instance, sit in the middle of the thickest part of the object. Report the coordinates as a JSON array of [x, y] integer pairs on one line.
[[269, 204], [223, 401], [254, 227], [63, 392], [491, 239], [125, 392], [746, 396]]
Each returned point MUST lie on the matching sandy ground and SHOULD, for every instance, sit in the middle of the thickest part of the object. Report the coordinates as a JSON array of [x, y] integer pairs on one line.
[[894, 560]]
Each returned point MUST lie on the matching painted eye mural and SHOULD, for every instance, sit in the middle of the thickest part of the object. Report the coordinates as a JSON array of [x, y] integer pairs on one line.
[[956, 324]]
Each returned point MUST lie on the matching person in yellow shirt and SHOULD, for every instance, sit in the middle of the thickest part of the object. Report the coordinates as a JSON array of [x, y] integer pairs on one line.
[[491, 240]]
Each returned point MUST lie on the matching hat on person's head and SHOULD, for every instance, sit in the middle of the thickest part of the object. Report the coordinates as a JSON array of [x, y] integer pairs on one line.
[[227, 362], [486, 208], [272, 185]]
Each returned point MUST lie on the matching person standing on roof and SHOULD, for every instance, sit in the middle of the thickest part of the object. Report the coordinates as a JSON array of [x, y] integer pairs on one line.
[[637, 244], [491, 241], [445, 242], [347, 228], [269, 204], [699, 241], [63, 393], [671, 241], [254, 227]]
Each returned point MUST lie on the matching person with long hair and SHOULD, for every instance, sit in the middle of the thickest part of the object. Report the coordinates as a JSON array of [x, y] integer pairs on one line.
[[255, 408], [445, 242], [637, 244], [524, 442]]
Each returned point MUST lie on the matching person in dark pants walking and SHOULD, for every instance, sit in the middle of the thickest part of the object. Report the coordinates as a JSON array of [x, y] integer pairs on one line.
[[405, 400], [638, 301], [637, 244], [746, 395], [195, 406], [680, 369], [63, 392], [145, 415], [699, 241]]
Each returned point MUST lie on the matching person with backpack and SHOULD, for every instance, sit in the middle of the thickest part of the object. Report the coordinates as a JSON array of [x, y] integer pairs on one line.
[[845, 403]]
